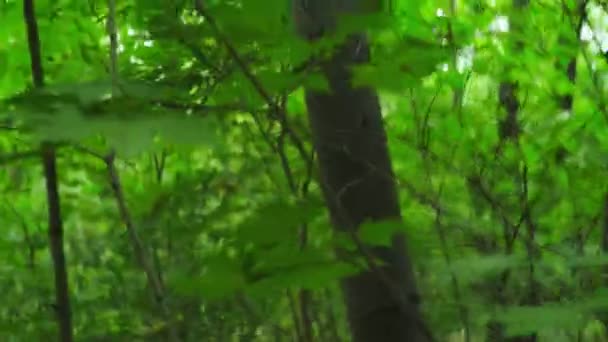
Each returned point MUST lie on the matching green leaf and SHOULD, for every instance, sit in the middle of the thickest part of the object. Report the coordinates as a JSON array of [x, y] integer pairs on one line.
[[222, 277], [380, 232], [476, 268], [309, 276], [526, 320], [276, 222]]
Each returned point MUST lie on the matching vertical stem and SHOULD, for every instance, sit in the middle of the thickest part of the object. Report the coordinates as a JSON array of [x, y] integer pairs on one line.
[[49, 160], [294, 315], [332, 324], [111, 29], [64, 313], [305, 297]]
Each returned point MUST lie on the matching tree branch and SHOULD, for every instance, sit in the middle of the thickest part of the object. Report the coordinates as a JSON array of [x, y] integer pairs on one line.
[[275, 109], [143, 259]]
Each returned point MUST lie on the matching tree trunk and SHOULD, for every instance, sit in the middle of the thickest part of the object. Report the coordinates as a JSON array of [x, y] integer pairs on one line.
[[603, 316], [49, 163], [357, 181], [510, 129]]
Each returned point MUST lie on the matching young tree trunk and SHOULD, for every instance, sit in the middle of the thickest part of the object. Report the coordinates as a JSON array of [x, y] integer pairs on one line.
[[509, 129], [603, 316], [357, 181], [49, 162]]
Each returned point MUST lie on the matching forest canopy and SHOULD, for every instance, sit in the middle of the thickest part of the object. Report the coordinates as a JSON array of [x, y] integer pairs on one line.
[[304, 170]]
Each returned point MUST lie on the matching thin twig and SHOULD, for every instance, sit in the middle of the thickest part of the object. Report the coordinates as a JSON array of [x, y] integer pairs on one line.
[[29, 241], [275, 110], [144, 260]]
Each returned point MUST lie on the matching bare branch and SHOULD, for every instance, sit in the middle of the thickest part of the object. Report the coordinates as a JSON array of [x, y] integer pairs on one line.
[[142, 256]]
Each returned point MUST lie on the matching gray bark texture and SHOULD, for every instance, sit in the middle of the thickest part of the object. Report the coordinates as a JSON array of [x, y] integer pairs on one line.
[[357, 180]]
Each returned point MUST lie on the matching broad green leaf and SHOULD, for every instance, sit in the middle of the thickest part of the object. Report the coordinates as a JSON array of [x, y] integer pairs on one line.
[[381, 232]]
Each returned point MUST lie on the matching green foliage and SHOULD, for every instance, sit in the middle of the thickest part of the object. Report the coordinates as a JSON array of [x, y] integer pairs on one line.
[[225, 202]]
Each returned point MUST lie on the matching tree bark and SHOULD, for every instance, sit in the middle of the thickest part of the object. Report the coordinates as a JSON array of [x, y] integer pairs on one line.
[[49, 162], [357, 180]]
